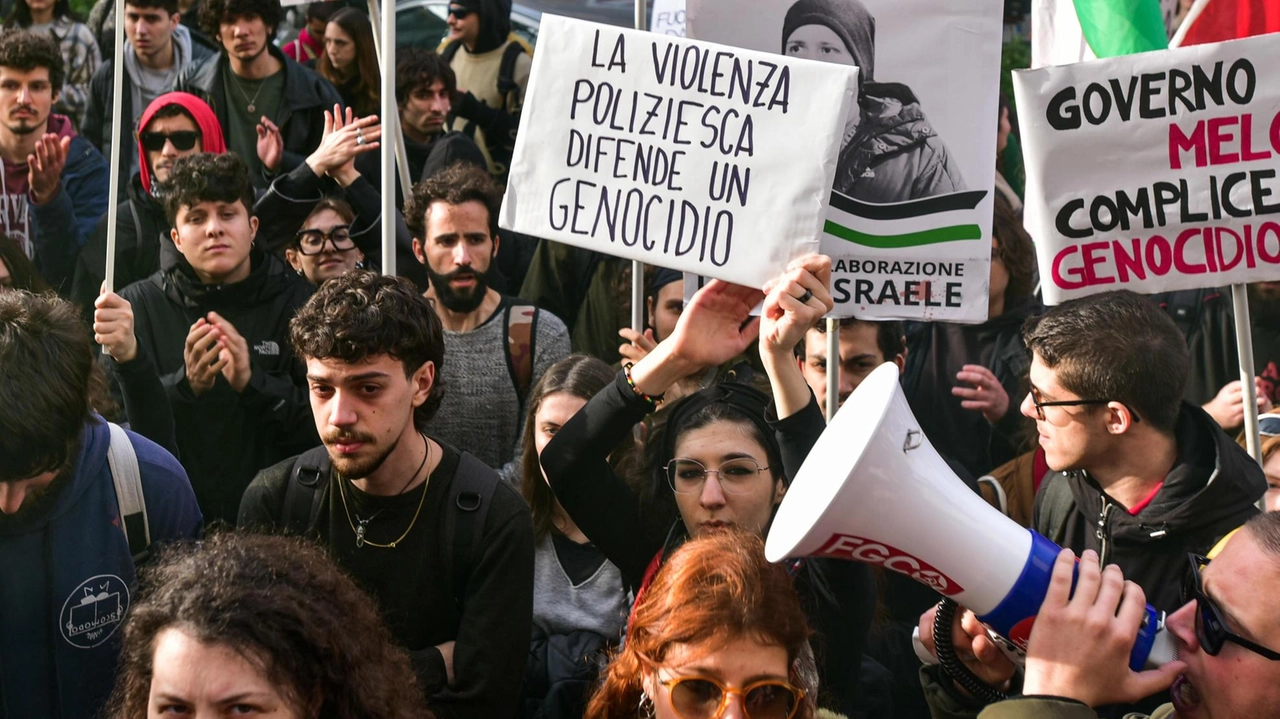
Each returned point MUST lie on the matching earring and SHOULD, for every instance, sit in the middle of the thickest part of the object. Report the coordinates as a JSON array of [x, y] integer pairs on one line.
[[645, 708], [299, 271]]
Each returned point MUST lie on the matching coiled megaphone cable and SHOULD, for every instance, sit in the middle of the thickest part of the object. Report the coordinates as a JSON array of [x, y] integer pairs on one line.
[[951, 664]]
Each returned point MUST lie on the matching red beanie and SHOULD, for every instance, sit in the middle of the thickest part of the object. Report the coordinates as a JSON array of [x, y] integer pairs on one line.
[[210, 130]]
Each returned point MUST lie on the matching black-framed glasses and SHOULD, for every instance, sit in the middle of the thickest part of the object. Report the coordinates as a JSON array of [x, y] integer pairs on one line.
[[696, 697], [182, 140], [461, 13], [1038, 400], [312, 242], [1211, 627], [686, 476]]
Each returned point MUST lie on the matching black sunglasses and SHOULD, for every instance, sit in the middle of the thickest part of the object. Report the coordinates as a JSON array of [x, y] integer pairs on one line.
[[1269, 424], [182, 140], [1211, 627], [461, 13]]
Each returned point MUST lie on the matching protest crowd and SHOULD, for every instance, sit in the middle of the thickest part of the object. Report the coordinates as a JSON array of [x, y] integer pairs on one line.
[[215, 457]]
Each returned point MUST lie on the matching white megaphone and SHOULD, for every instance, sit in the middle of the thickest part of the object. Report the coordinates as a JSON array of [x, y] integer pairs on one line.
[[873, 489]]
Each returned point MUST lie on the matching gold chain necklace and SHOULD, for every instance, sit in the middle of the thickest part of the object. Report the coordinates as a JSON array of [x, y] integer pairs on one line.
[[360, 540]]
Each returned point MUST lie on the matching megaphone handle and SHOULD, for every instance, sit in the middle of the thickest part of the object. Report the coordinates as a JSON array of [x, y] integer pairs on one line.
[[951, 663]]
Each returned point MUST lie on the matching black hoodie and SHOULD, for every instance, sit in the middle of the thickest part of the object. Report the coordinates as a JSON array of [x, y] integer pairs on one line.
[[1210, 491], [225, 437]]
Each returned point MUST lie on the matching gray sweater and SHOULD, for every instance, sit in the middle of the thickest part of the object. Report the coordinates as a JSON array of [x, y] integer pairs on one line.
[[481, 412], [597, 605]]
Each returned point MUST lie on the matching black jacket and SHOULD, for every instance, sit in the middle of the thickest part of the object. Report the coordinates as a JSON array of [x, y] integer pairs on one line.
[[301, 119], [226, 437], [141, 230], [98, 118], [1210, 491]]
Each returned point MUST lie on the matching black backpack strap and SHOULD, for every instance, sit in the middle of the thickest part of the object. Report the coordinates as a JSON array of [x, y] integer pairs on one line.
[[507, 72], [303, 494], [470, 494], [449, 51]]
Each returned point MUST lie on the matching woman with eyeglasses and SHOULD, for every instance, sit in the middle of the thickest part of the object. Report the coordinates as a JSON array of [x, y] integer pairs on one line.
[[323, 248], [720, 632], [719, 459]]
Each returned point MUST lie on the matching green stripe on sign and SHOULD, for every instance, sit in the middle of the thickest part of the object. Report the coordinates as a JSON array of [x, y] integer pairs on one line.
[[953, 233]]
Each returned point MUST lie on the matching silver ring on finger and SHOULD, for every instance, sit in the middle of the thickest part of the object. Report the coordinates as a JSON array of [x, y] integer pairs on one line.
[[808, 295], [359, 137]]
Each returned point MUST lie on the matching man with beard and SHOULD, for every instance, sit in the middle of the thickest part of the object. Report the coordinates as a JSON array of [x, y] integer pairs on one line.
[[68, 566], [54, 184], [442, 544], [270, 107], [495, 347]]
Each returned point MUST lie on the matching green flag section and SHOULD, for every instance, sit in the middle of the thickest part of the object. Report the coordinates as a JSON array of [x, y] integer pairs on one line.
[[1122, 27], [937, 235]]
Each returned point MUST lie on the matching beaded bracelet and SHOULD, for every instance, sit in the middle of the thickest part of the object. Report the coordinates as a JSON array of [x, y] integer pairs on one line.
[[626, 372]]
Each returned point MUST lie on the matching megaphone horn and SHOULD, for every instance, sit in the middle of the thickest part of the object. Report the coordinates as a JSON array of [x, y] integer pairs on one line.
[[874, 490]]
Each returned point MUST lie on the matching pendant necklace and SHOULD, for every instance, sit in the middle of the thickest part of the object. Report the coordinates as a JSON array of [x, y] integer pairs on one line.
[[251, 106], [364, 523]]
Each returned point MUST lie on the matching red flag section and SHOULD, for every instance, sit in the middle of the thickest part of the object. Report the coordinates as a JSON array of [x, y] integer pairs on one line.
[[1231, 19]]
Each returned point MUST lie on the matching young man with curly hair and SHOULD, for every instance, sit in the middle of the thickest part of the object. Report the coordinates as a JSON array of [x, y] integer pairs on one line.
[[54, 184], [495, 346], [444, 546], [214, 328], [271, 108]]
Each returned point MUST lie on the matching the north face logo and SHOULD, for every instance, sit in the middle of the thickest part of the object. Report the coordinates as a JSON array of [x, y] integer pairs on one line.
[[268, 348]]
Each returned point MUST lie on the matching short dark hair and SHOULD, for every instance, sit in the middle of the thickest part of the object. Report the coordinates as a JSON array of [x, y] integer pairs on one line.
[[170, 7], [173, 109], [1117, 346], [418, 67], [284, 605], [332, 204], [1265, 529], [207, 177], [48, 359], [458, 183], [215, 12], [889, 336], [20, 15], [1017, 252], [363, 314], [26, 51]]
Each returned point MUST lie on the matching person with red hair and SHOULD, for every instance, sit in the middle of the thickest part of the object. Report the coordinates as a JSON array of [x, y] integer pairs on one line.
[[720, 628]]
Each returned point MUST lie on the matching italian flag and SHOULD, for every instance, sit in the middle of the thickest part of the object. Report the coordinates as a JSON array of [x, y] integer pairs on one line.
[[1218, 20], [1070, 31]]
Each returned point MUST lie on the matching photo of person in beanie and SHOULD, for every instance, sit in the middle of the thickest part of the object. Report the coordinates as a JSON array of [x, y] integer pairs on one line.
[[890, 152]]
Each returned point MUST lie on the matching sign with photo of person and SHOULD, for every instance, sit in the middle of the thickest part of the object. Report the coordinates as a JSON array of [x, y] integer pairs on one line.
[[909, 224], [1154, 172], [682, 154]]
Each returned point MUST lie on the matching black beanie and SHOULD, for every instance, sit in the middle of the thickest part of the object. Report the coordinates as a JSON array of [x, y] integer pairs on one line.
[[849, 19], [748, 401]]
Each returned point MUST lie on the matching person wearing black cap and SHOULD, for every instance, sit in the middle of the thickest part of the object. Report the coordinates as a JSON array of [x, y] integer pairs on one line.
[[492, 66], [721, 459], [890, 152]]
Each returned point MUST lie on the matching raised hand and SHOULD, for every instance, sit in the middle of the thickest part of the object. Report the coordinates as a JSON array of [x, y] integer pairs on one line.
[[270, 144], [986, 395], [203, 357], [637, 346], [113, 326], [235, 352], [785, 318], [44, 167], [1080, 644], [341, 144]]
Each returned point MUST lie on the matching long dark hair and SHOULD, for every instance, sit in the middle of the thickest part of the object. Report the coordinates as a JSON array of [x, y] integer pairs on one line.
[[282, 601], [20, 15], [1017, 251], [357, 25], [581, 376], [23, 274]]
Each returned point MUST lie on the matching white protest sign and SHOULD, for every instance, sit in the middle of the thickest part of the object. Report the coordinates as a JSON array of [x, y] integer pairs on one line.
[[909, 226], [667, 17], [1154, 172], [682, 154]]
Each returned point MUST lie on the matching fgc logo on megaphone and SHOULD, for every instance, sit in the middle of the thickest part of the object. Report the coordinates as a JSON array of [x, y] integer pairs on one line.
[[870, 551]]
